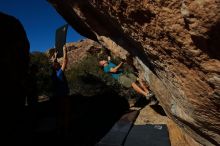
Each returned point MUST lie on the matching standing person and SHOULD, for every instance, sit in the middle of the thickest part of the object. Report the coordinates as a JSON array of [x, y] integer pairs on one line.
[[61, 93], [125, 80]]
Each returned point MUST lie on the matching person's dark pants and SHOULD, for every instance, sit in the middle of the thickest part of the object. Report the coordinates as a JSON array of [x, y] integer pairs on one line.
[[63, 115]]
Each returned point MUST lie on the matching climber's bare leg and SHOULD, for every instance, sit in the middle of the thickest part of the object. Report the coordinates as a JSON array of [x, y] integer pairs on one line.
[[138, 89], [143, 86]]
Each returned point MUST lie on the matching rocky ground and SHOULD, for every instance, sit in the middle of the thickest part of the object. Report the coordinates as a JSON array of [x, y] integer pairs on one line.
[[156, 115]]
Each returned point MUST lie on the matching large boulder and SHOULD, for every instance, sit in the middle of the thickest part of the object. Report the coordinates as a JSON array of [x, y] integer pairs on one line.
[[14, 68], [174, 44]]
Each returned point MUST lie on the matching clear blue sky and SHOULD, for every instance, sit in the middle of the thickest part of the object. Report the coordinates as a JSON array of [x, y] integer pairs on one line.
[[40, 21]]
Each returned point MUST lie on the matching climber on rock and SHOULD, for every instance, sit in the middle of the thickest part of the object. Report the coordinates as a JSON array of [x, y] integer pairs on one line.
[[128, 80]]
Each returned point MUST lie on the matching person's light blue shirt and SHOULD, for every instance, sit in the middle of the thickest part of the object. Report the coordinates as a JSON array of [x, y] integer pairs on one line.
[[108, 67]]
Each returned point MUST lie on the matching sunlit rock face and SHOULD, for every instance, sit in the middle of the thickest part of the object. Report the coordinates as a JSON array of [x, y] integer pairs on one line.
[[174, 45], [76, 51]]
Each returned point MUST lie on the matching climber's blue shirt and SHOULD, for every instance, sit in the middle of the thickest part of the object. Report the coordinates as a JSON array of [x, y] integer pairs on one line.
[[108, 67], [60, 83]]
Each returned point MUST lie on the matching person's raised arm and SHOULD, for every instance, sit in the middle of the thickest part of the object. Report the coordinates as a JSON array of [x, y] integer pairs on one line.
[[54, 57], [65, 59], [109, 58], [115, 69]]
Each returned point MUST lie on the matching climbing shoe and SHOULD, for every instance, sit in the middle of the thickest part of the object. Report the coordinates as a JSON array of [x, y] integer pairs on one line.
[[153, 101], [149, 95]]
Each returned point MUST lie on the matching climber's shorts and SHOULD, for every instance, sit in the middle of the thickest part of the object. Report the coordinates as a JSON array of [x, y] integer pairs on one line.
[[127, 80]]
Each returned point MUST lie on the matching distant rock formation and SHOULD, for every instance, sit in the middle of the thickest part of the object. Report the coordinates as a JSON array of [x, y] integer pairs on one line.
[[175, 44], [76, 51]]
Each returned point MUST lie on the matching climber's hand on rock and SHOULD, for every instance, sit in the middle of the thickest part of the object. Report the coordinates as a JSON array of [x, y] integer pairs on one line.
[[123, 61]]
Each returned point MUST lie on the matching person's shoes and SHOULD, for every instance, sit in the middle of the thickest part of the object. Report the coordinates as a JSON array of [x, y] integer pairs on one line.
[[149, 95], [153, 101]]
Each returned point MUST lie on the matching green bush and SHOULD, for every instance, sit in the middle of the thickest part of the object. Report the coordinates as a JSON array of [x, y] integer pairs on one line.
[[87, 78], [84, 77], [42, 75]]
